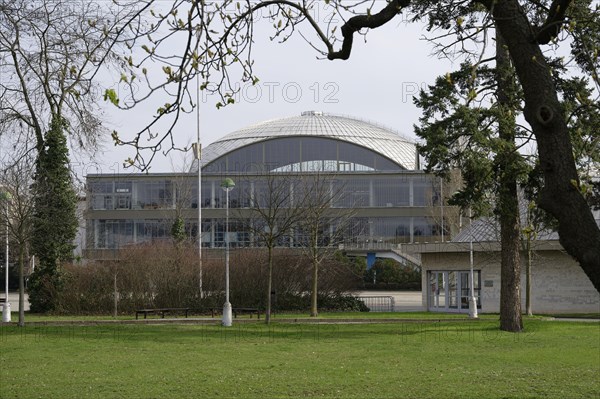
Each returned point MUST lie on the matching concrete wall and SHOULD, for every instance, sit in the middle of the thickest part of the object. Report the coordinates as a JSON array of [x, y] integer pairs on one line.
[[559, 285]]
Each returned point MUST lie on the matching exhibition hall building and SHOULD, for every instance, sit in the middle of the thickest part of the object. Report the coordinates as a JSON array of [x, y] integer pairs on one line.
[[373, 171], [380, 204]]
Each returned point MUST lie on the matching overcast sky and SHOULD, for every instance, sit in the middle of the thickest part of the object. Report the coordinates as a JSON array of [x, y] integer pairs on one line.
[[377, 83]]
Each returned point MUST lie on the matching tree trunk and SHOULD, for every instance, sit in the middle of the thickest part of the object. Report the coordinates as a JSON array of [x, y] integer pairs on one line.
[[561, 196], [116, 297], [508, 201], [315, 277], [269, 285], [315, 283], [528, 306], [510, 274], [21, 286]]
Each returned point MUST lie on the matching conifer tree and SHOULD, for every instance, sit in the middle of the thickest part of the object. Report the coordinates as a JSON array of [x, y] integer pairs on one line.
[[55, 220]]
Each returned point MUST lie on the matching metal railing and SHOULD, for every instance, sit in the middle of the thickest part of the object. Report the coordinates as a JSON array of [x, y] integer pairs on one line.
[[378, 303]]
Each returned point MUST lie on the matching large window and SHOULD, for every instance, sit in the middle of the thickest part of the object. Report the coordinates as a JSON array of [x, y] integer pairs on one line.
[[302, 154], [154, 194], [279, 153], [391, 191], [113, 233], [425, 193], [110, 195]]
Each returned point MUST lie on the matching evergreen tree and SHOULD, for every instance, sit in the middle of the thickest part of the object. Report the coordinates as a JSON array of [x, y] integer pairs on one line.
[[178, 231], [469, 122], [55, 220]]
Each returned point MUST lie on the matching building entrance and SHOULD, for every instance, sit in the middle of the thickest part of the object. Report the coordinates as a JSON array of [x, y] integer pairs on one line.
[[448, 291]]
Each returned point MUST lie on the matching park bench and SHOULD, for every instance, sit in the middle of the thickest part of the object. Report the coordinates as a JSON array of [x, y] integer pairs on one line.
[[188, 311], [250, 311], [161, 311], [185, 311]]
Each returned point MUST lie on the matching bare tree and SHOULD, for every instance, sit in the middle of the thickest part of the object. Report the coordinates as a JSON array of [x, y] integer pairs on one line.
[[321, 227], [182, 199], [51, 55], [271, 216], [444, 216], [16, 181], [534, 229], [528, 235], [183, 186]]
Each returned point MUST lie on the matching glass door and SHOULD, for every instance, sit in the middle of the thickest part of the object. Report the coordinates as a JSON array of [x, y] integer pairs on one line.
[[453, 290], [437, 290], [449, 291], [465, 290]]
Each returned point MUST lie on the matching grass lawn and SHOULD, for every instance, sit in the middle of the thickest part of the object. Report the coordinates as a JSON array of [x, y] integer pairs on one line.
[[33, 317], [400, 360]]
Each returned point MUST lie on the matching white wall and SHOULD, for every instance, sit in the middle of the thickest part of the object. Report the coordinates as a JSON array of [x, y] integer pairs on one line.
[[559, 285]]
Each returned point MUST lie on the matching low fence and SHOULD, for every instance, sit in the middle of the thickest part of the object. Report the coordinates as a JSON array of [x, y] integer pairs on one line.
[[378, 303]]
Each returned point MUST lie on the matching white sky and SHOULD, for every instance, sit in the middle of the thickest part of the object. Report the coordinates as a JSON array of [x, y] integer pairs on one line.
[[377, 83]]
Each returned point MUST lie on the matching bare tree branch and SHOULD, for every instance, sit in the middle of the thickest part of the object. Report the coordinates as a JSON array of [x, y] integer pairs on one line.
[[359, 22]]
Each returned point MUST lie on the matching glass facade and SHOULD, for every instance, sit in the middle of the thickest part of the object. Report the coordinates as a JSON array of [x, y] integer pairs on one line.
[[301, 154], [127, 194], [408, 194], [116, 233], [390, 205], [355, 191]]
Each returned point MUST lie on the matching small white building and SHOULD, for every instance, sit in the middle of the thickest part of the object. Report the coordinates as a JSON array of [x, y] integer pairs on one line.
[[559, 285]]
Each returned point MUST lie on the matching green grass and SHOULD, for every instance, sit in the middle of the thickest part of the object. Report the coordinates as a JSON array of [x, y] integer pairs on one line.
[[408, 360], [577, 315], [383, 315], [40, 317], [277, 316]]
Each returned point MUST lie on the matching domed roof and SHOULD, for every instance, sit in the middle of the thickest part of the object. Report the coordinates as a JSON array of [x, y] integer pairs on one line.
[[318, 124]]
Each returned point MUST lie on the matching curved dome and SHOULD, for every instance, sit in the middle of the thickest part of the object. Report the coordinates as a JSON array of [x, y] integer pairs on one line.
[[389, 144]]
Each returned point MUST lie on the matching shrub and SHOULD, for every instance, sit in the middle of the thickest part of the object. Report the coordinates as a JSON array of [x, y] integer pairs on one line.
[[391, 275], [343, 303], [164, 275]]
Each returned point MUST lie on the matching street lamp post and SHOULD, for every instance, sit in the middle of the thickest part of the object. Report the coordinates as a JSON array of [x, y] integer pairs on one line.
[[6, 308], [197, 148], [227, 185], [472, 299]]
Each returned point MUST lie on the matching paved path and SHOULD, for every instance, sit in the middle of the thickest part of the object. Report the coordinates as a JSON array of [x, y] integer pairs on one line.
[[574, 319], [405, 301], [13, 298]]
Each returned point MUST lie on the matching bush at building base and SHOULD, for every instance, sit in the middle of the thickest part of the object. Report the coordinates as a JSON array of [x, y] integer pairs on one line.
[[167, 276]]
